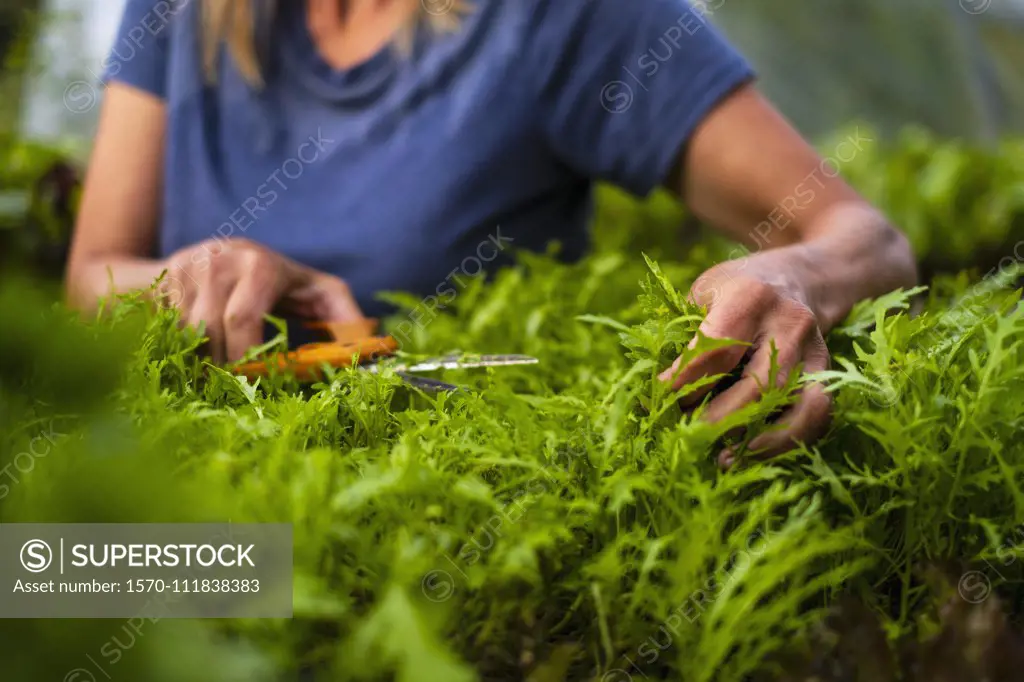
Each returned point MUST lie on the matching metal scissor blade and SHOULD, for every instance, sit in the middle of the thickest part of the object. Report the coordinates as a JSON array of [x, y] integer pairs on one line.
[[468, 362], [429, 385]]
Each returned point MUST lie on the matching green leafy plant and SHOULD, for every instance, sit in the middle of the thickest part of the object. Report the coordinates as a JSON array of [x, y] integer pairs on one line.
[[561, 521], [557, 521]]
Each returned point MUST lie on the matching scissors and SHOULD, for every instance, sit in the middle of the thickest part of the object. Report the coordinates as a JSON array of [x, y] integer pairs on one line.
[[357, 344]]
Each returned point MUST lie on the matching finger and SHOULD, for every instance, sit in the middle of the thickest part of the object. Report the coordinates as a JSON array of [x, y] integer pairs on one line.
[[252, 298], [725, 321], [805, 422], [756, 377], [178, 289], [325, 298], [338, 303], [208, 307], [795, 332], [710, 363]]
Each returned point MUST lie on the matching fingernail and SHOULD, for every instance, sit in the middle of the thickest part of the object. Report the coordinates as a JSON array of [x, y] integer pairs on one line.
[[670, 372]]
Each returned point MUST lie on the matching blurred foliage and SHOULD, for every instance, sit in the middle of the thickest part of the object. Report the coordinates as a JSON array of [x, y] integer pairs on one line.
[[39, 195], [67, 456], [952, 67], [552, 522], [971, 643], [19, 21], [960, 204]]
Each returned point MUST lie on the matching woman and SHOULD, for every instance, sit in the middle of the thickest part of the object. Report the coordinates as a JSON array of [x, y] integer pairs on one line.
[[302, 156]]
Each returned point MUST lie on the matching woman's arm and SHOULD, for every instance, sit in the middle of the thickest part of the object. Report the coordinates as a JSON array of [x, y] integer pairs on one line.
[[117, 222], [622, 88], [228, 285], [818, 249], [749, 174]]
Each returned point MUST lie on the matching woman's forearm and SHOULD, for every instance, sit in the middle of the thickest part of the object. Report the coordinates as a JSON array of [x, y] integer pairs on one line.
[[89, 279], [853, 253]]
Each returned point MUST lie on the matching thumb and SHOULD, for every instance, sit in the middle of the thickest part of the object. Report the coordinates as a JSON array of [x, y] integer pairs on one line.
[[331, 300]]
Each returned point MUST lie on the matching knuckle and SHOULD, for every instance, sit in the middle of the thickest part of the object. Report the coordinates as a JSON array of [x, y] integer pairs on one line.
[[257, 262], [799, 318], [214, 250], [760, 294]]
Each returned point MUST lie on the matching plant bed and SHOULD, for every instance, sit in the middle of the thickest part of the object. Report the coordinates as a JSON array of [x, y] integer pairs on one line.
[[557, 521]]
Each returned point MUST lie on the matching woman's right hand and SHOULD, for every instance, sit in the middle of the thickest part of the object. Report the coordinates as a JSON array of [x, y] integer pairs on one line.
[[230, 284]]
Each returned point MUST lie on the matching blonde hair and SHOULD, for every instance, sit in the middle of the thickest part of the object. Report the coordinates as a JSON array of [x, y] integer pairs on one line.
[[233, 23]]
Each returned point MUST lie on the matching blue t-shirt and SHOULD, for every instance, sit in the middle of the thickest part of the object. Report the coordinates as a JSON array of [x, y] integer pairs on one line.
[[408, 172]]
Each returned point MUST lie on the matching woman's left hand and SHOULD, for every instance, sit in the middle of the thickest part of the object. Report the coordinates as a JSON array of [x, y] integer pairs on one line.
[[819, 249], [760, 300]]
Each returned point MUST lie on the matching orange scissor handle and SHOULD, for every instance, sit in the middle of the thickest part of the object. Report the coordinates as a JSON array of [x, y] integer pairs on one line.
[[348, 332], [352, 343]]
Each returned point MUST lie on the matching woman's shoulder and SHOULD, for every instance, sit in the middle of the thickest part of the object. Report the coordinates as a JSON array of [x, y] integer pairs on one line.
[[147, 43], [546, 28]]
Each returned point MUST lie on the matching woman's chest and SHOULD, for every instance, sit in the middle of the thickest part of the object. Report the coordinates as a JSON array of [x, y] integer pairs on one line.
[[399, 157], [310, 179]]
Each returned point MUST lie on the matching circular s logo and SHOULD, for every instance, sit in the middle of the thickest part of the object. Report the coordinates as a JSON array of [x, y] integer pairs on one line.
[[616, 97], [438, 586], [975, 6], [36, 556], [974, 587], [80, 97], [438, 7]]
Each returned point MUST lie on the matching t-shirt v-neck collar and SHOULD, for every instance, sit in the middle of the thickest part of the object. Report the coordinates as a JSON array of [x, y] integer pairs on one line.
[[303, 62]]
